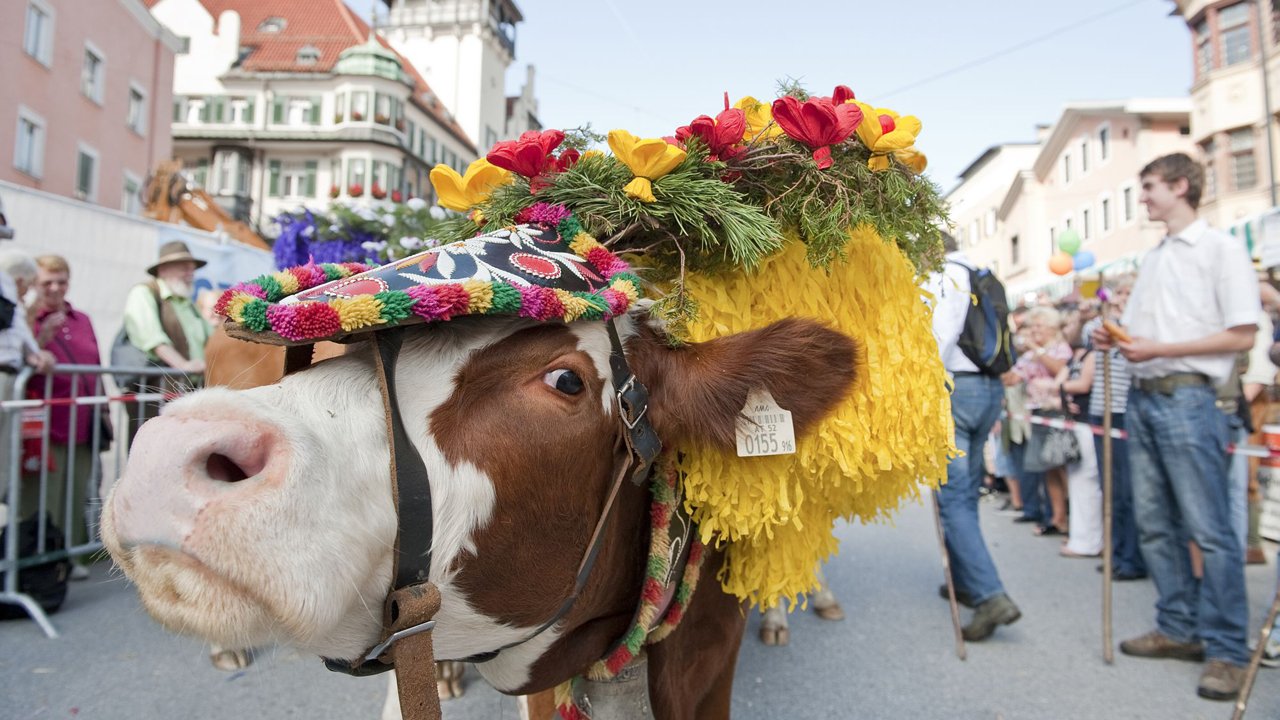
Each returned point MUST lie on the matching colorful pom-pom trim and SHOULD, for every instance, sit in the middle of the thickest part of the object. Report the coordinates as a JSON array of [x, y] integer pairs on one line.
[[256, 305]]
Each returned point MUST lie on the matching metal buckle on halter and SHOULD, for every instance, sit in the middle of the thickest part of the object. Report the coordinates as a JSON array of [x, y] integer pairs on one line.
[[624, 405], [377, 650]]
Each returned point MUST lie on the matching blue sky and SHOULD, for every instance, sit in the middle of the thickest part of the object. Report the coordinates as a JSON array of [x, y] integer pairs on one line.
[[651, 67]]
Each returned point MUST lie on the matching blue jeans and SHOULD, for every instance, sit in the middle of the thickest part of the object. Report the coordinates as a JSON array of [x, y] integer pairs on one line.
[[975, 406], [1126, 555], [1178, 460], [1239, 484]]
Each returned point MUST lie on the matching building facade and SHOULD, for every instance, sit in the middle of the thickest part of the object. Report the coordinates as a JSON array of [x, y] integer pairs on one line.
[[281, 104], [1234, 107], [97, 78], [463, 48], [1082, 175]]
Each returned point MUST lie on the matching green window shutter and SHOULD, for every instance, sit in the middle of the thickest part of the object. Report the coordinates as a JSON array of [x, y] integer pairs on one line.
[[204, 111], [177, 109], [277, 109], [248, 111], [313, 115], [310, 186], [273, 184], [219, 109]]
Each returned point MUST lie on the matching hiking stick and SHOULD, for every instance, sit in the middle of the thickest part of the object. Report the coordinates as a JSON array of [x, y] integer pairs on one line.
[[1108, 654], [1243, 701], [946, 572]]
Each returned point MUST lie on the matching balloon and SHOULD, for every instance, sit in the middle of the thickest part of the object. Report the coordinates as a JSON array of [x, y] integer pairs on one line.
[[1069, 241], [1060, 263], [1083, 259]]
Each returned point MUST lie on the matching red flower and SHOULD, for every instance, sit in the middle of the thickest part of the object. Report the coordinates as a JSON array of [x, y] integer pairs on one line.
[[567, 159], [530, 156], [377, 192], [355, 190], [397, 196], [334, 191], [842, 95], [721, 136], [818, 122]]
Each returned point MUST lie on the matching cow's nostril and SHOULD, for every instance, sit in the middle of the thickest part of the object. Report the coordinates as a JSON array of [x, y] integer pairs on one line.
[[220, 467]]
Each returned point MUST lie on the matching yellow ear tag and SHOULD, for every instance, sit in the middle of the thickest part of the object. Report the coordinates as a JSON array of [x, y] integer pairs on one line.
[[764, 427]]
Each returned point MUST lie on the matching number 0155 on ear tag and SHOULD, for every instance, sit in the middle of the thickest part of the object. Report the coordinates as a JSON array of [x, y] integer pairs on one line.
[[764, 428]]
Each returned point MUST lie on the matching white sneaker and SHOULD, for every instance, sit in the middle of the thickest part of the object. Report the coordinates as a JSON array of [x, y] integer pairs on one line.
[[1270, 655]]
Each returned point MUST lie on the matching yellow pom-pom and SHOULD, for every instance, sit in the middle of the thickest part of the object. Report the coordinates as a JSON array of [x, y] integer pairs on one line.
[[481, 296], [358, 312], [235, 306], [583, 243], [288, 282], [574, 306]]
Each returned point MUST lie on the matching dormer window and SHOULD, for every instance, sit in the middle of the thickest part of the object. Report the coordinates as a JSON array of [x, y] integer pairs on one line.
[[308, 55], [272, 25]]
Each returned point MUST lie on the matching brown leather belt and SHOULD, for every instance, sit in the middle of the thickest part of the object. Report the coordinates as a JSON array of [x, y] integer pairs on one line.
[[1167, 384]]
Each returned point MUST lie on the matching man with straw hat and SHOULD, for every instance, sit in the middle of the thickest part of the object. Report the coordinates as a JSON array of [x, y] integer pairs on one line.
[[162, 322]]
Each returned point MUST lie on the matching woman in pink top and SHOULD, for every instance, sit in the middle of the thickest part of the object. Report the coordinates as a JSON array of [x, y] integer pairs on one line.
[[68, 334], [1046, 354]]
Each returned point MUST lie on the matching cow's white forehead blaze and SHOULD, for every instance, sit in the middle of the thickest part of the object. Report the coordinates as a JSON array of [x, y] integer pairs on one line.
[[322, 584]]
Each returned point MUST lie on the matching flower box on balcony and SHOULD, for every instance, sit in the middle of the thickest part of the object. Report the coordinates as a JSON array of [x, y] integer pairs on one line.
[[355, 190], [377, 192]]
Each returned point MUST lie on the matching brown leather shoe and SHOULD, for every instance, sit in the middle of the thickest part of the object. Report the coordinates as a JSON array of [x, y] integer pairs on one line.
[[1157, 645], [1220, 681]]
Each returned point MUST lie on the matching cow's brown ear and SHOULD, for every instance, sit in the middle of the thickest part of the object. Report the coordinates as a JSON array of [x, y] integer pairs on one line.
[[697, 391]]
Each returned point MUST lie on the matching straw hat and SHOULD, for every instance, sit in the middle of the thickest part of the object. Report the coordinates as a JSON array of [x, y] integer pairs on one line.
[[175, 251]]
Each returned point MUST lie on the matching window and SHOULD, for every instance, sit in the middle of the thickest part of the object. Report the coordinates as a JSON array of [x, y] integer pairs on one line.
[[308, 55], [272, 25], [37, 38], [91, 74], [213, 110], [136, 117], [339, 108], [1244, 169], [231, 172], [991, 223], [130, 202], [87, 173], [490, 137], [200, 173], [1104, 142], [382, 109], [1204, 47], [300, 179], [28, 153], [359, 106], [179, 108], [1233, 27], [1066, 168], [1084, 156], [1105, 215], [430, 154], [1053, 240], [355, 172], [1014, 256], [242, 111], [273, 178], [1085, 224], [1127, 203], [335, 177]]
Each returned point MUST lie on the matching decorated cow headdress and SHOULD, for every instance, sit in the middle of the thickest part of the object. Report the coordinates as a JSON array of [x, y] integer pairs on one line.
[[806, 206]]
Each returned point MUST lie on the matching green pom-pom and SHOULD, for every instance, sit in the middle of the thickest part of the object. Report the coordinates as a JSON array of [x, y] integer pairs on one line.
[[334, 272], [255, 315], [396, 305], [271, 287], [597, 306], [506, 299], [569, 228]]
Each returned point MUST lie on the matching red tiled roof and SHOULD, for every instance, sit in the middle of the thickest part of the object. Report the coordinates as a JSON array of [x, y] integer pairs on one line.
[[327, 25]]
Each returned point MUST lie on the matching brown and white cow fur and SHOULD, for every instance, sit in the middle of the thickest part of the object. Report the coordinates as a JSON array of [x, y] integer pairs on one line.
[[266, 515]]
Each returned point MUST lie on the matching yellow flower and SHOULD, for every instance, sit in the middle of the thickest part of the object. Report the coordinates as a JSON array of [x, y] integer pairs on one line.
[[760, 124], [648, 158], [463, 192], [886, 133]]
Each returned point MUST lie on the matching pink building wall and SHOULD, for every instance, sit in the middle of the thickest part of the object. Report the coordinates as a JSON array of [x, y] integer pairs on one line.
[[136, 50]]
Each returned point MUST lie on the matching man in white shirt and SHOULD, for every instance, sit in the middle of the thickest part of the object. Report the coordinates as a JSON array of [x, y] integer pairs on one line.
[[1194, 306], [975, 406]]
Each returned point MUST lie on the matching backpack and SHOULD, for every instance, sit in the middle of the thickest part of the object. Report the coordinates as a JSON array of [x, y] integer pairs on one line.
[[45, 582], [986, 339]]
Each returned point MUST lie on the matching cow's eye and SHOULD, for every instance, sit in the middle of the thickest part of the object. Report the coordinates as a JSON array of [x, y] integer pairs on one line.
[[566, 381]]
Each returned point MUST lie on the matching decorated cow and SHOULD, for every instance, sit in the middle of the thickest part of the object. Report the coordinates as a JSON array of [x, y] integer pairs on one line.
[[618, 398]]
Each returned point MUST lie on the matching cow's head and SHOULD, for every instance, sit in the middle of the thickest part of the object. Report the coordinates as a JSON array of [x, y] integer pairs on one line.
[[266, 515]]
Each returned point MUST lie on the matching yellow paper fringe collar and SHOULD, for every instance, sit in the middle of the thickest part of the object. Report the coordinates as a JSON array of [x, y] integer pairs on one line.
[[891, 433]]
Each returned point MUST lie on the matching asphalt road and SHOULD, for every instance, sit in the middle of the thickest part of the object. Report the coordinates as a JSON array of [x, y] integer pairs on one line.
[[892, 657]]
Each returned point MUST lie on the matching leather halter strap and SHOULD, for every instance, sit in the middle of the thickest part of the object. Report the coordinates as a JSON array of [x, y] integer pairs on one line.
[[414, 600]]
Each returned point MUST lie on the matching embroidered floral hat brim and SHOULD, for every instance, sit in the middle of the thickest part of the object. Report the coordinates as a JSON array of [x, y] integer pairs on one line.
[[546, 270]]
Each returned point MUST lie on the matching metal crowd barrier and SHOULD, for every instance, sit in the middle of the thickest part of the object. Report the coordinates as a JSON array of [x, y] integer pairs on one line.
[[28, 419]]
